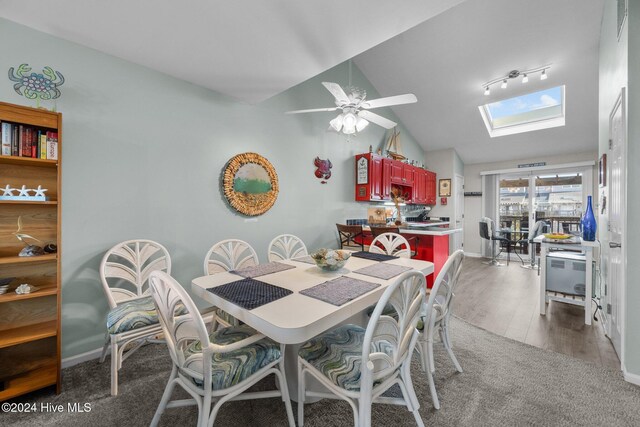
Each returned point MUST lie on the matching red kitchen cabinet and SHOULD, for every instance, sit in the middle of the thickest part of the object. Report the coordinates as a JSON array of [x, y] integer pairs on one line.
[[369, 176], [431, 188], [397, 171], [420, 186], [408, 172]]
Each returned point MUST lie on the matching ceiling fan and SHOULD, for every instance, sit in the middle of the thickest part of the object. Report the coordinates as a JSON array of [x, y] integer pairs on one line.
[[355, 108]]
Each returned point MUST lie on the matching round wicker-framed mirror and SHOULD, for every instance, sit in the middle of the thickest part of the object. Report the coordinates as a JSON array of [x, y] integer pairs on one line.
[[250, 184]]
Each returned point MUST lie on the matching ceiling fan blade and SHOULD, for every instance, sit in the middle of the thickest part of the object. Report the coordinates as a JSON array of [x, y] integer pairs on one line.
[[337, 92], [407, 98], [312, 110], [377, 119]]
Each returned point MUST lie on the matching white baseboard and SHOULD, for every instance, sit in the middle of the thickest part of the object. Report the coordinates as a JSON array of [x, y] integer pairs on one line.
[[632, 378], [473, 255], [83, 357]]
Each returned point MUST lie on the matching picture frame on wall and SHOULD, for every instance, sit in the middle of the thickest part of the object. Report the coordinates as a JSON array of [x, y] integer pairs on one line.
[[602, 171], [444, 186]]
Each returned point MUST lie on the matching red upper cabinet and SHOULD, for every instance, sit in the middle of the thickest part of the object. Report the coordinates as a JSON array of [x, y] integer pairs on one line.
[[397, 171], [369, 177], [431, 188], [375, 175], [408, 172], [419, 186]]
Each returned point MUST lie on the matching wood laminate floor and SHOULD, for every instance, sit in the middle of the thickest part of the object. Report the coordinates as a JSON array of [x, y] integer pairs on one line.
[[504, 300]]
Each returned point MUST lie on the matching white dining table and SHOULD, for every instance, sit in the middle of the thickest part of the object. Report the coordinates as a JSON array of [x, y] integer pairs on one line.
[[296, 318]]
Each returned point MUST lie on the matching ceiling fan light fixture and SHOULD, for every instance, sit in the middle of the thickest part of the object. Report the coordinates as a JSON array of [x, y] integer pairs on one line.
[[543, 76], [361, 124], [349, 122], [336, 123], [504, 84], [525, 78], [487, 91]]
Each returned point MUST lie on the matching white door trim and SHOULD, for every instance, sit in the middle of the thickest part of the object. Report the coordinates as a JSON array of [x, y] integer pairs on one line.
[[621, 103]]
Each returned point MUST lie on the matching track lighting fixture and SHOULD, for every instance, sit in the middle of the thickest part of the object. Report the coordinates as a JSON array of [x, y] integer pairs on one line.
[[514, 74]]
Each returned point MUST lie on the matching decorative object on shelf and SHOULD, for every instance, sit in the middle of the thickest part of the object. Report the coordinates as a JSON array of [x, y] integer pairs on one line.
[[4, 284], [393, 147], [445, 187], [28, 250], [330, 259], [250, 184], [602, 171], [398, 197], [323, 169], [23, 194], [377, 215], [354, 105], [588, 223], [515, 74], [50, 249], [25, 289], [36, 86]]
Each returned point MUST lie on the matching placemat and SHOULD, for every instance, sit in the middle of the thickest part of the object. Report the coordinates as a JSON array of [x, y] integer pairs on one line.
[[383, 270], [250, 293], [373, 256], [262, 269], [306, 258], [340, 291]]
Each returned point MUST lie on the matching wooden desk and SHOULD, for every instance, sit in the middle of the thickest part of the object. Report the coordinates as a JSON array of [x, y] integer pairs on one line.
[[546, 296]]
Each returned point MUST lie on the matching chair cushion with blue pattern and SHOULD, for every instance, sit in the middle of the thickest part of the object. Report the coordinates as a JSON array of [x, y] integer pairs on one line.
[[338, 355], [134, 314], [229, 369]]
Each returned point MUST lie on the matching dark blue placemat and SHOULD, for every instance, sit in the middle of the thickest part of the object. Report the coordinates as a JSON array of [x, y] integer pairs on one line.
[[250, 293], [373, 256]]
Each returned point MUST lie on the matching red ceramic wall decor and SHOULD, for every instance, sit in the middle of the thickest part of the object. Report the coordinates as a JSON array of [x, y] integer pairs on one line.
[[323, 169]]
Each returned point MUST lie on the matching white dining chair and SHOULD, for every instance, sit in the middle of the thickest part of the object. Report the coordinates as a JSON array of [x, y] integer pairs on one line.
[[437, 313], [212, 368], [227, 255], [358, 365], [230, 254], [391, 244], [286, 246], [124, 273]]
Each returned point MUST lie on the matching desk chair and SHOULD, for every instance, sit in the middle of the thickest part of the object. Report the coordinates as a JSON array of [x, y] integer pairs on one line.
[[351, 236]]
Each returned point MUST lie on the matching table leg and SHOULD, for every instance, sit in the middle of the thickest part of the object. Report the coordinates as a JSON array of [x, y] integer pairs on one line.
[[543, 279], [588, 285]]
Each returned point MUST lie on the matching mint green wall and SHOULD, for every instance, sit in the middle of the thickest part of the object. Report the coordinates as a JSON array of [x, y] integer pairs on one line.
[[142, 158]]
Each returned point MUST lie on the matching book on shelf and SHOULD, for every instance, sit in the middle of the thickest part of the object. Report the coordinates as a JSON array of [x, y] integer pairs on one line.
[[27, 141], [52, 145], [7, 133], [42, 154]]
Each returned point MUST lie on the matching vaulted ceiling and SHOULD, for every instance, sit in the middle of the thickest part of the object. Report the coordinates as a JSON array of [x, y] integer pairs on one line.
[[441, 50]]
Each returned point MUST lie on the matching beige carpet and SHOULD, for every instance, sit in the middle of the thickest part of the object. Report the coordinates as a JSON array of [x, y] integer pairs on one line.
[[505, 383]]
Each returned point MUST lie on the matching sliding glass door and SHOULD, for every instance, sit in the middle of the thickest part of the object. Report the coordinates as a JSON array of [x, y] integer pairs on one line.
[[558, 199]]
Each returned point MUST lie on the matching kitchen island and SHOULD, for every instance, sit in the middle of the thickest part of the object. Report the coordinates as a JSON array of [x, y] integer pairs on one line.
[[430, 241]]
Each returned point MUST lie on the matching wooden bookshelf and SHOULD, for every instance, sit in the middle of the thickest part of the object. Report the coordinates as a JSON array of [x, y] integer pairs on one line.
[[30, 323]]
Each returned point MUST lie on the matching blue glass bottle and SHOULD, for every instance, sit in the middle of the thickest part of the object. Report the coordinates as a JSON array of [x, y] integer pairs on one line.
[[588, 223]]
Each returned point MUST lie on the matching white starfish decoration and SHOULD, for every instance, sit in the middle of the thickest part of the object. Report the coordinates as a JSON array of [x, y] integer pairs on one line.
[[8, 191], [24, 191], [39, 191]]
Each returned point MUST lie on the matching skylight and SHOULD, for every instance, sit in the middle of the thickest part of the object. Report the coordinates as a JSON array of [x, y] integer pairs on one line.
[[525, 113]]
